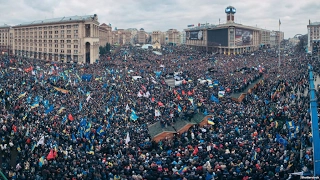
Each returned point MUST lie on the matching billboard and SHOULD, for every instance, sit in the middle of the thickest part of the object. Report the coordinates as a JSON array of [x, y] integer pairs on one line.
[[194, 35], [218, 37], [243, 37]]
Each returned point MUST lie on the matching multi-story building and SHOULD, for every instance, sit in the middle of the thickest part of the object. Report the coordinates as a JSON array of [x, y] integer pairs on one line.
[[276, 37], [66, 39], [105, 34], [313, 34], [6, 39], [182, 37], [264, 38], [173, 37], [142, 36], [133, 34]]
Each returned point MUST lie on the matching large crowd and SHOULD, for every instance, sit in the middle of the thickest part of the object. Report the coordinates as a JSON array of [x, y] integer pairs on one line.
[[79, 121]]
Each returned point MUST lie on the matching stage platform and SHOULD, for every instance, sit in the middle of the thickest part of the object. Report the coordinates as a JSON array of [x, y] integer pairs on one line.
[[157, 132]]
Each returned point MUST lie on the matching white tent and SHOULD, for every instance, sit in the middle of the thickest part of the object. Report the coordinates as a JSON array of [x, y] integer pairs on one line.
[[146, 46]]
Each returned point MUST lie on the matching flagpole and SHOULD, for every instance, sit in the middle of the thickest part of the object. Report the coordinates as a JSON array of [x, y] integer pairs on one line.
[[279, 46]]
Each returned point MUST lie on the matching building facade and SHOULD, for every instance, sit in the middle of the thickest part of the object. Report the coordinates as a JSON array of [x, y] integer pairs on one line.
[[182, 37], [173, 37], [65, 39], [313, 34], [265, 37], [142, 36], [6, 34], [228, 38], [276, 37], [105, 34]]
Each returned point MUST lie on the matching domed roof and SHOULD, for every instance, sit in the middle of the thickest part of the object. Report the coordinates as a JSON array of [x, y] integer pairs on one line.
[[230, 7]]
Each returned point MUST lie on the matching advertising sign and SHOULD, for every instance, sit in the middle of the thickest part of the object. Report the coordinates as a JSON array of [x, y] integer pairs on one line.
[[194, 35], [218, 37], [243, 37]]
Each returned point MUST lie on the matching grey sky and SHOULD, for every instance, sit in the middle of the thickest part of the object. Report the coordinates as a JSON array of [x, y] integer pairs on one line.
[[166, 14]]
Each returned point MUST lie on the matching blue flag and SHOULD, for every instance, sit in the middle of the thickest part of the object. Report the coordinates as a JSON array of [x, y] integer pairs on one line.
[[51, 108], [214, 99], [133, 116]]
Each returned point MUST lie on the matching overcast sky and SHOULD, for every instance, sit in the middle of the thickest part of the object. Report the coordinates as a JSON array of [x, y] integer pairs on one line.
[[166, 14]]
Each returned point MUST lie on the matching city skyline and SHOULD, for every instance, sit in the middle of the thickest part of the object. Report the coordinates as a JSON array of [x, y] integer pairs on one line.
[[164, 15]]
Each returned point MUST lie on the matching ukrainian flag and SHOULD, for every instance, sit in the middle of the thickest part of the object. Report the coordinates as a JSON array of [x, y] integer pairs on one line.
[[179, 108], [34, 105], [41, 161], [290, 125], [22, 95], [210, 121]]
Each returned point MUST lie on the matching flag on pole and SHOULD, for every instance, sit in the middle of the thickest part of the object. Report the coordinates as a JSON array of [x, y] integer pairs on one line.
[[279, 22], [41, 141], [127, 138]]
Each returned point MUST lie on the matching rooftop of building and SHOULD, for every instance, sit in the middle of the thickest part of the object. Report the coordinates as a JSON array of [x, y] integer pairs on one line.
[[5, 26], [59, 20], [315, 24], [220, 26]]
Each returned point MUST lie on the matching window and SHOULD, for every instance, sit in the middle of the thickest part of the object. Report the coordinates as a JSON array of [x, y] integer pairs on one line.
[[62, 31], [50, 50], [56, 36], [75, 26], [68, 31], [62, 45], [76, 36], [61, 41], [56, 45], [68, 26], [62, 36], [68, 46], [62, 51], [55, 41], [62, 27], [40, 45], [40, 49], [75, 31], [45, 49], [50, 36], [44, 32], [68, 41], [69, 36], [69, 51], [56, 32], [50, 41], [50, 45], [75, 46], [50, 32], [56, 50], [75, 52]]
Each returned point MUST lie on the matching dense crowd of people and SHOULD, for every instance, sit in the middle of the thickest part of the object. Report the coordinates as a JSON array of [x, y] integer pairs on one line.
[[79, 121]]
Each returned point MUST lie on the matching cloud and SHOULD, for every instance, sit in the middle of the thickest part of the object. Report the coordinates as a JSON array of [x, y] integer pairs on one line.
[[166, 14]]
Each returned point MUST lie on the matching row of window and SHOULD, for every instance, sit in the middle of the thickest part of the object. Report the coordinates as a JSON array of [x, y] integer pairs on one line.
[[49, 32], [46, 37], [45, 41], [50, 45], [55, 50], [49, 27]]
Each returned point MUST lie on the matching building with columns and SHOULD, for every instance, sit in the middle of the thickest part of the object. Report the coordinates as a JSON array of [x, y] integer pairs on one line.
[[6, 39], [74, 38], [105, 34], [313, 34], [228, 38]]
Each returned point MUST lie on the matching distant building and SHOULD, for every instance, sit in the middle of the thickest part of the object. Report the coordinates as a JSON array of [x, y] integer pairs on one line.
[[6, 39], [173, 37], [105, 34], [276, 37], [182, 37], [142, 36], [313, 34], [74, 38], [265, 38]]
